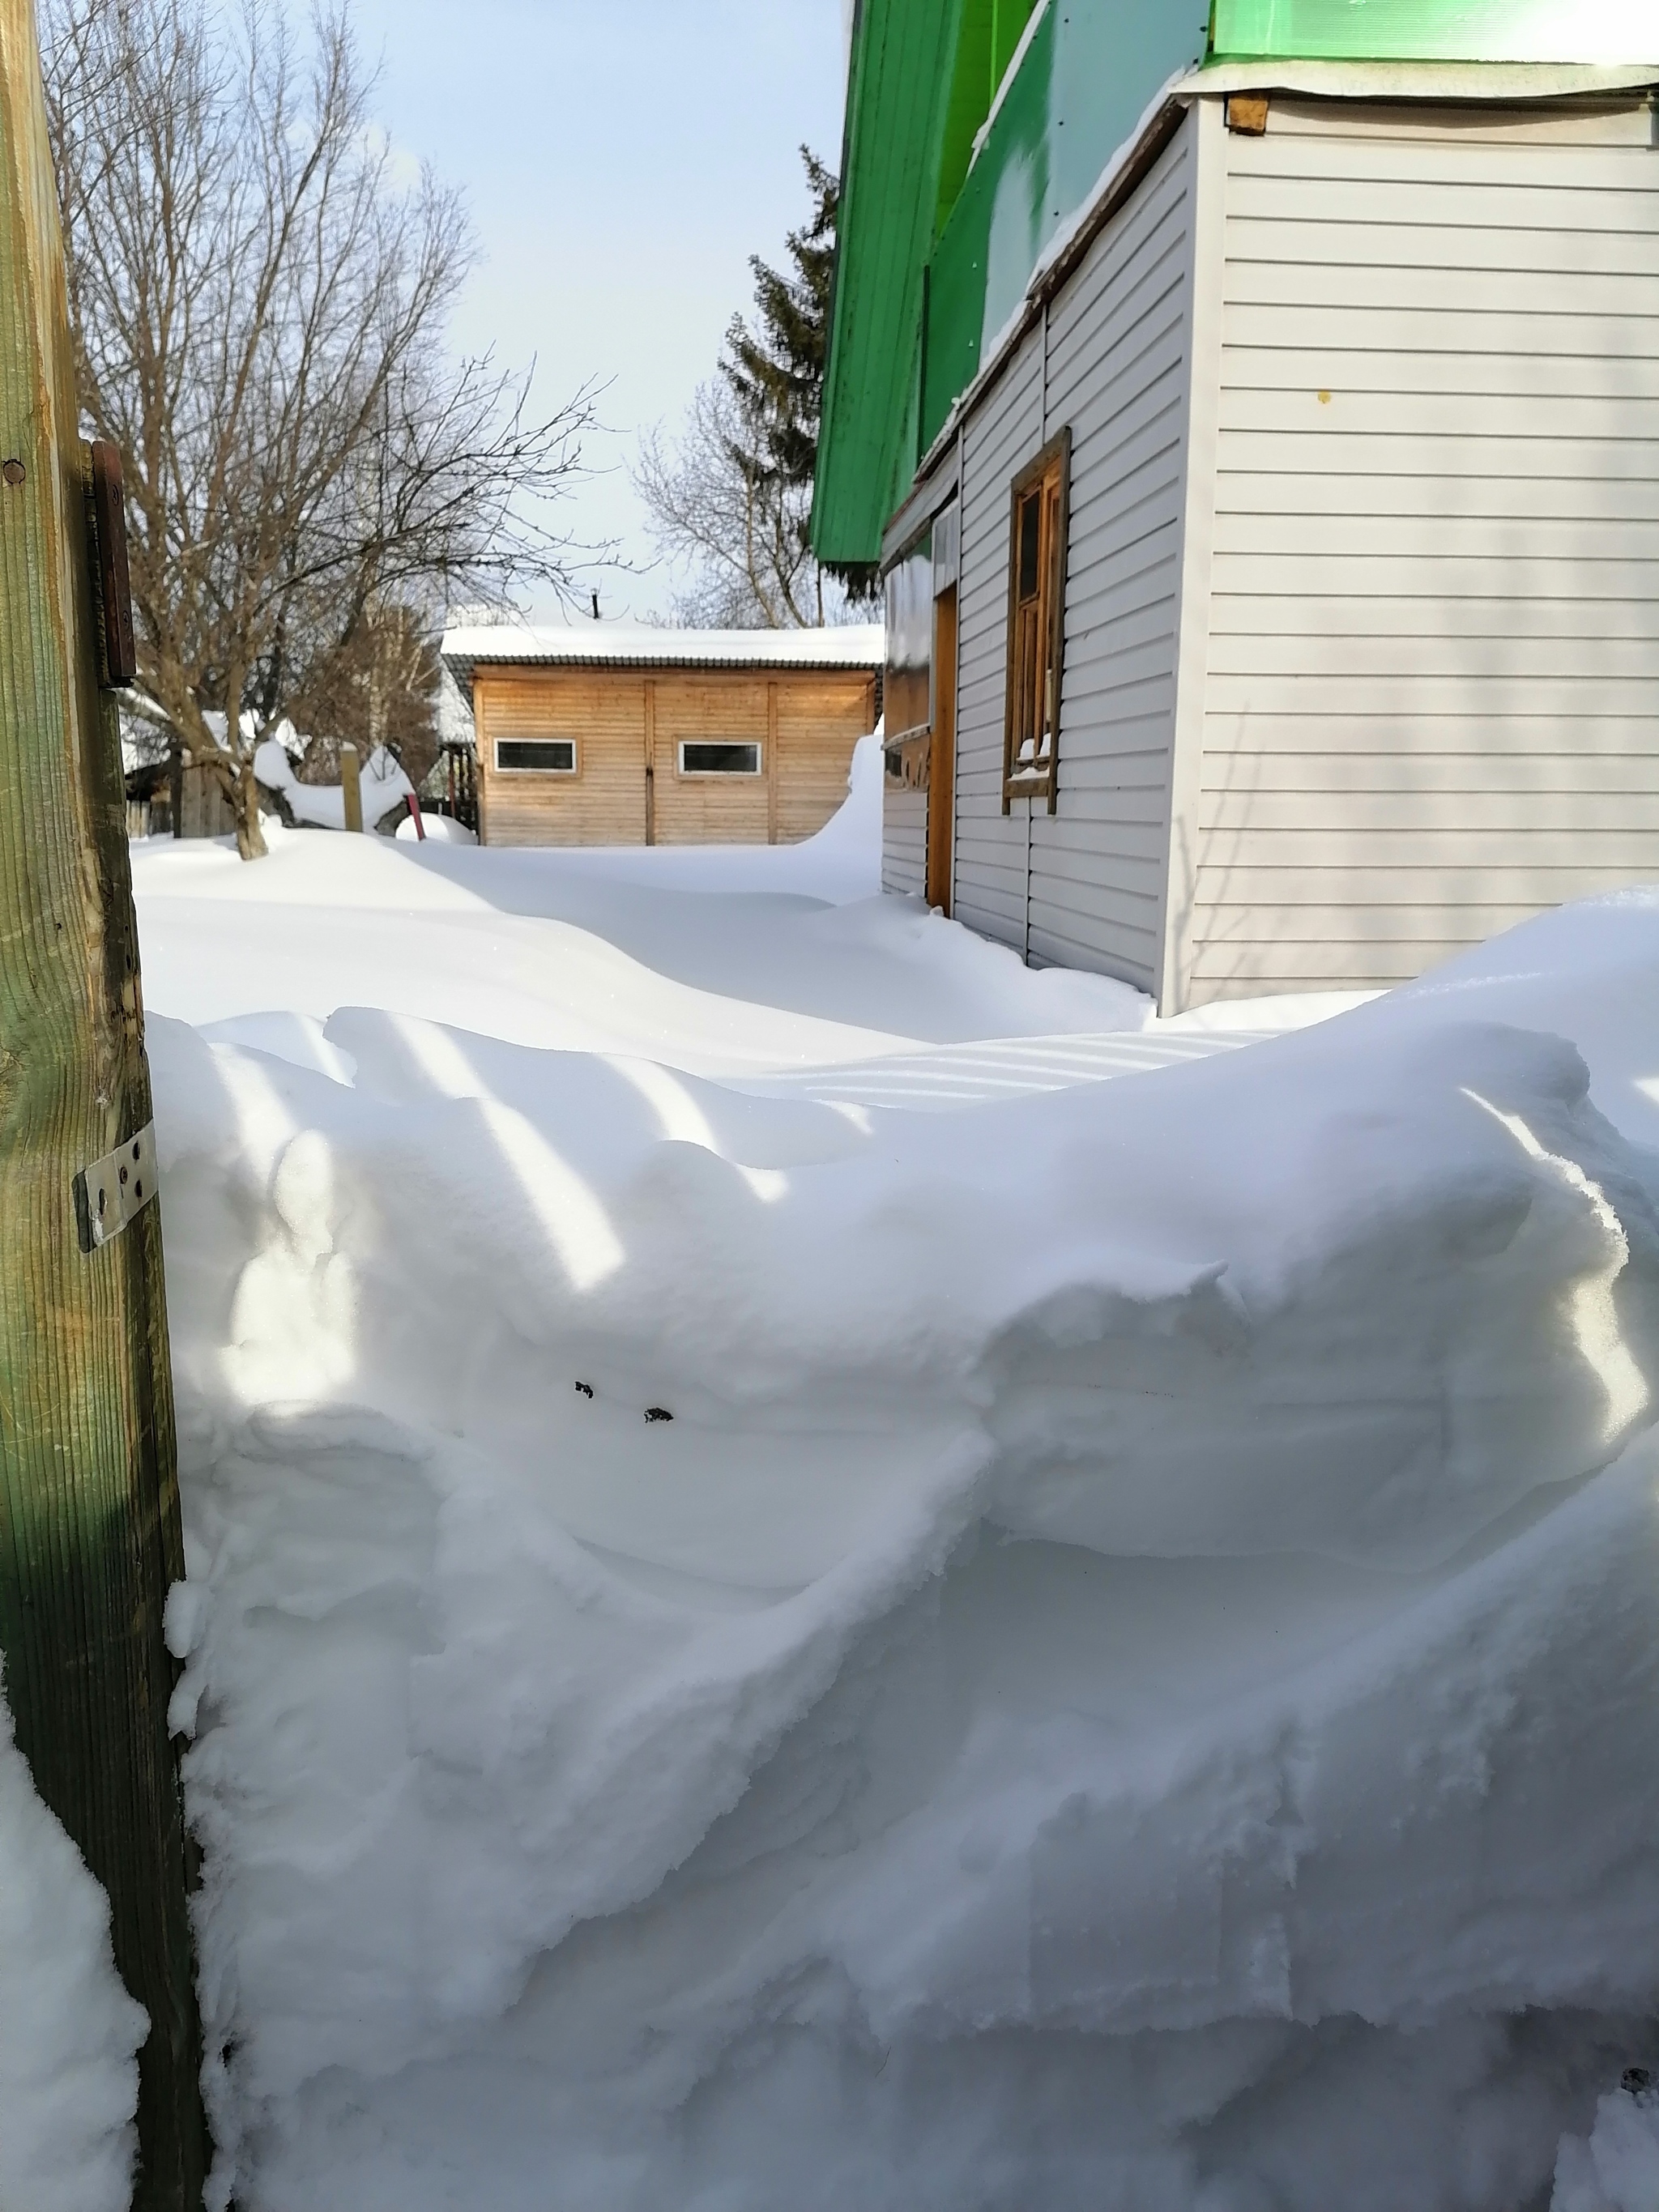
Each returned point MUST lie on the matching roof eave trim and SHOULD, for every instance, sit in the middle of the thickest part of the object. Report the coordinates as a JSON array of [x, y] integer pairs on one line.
[[459, 663], [1457, 81]]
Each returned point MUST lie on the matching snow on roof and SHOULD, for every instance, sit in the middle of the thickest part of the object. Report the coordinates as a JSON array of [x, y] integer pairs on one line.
[[633, 645]]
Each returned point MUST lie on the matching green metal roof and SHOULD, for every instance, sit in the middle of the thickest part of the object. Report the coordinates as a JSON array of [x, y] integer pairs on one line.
[[898, 84], [986, 40], [943, 219]]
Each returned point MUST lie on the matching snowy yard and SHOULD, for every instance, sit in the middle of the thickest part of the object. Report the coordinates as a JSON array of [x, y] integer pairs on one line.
[[1130, 1678]]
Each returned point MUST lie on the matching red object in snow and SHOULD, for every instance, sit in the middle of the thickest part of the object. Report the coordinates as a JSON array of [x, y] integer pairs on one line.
[[414, 817]]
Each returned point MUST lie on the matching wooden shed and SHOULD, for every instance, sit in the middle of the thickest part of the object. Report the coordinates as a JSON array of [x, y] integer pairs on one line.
[[599, 734], [1273, 575]]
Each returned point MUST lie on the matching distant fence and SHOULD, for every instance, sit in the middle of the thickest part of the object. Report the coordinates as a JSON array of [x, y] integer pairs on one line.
[[201, 809]]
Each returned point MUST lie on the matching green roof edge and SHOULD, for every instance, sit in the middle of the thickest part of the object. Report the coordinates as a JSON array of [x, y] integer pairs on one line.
[[920, 68]]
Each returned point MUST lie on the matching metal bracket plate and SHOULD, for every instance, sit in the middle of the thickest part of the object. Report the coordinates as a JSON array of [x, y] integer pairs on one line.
[[111, 1190]]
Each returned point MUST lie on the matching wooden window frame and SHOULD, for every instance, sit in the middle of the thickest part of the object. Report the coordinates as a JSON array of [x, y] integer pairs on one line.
[[498, 767], [720, 775], [1036, 627]]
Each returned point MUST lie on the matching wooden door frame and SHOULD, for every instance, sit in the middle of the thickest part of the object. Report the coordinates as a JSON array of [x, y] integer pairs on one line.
[[649, 726], [942, 754]]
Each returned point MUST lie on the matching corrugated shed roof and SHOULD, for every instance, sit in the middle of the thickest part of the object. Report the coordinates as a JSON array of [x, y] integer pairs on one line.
[[632, 645]]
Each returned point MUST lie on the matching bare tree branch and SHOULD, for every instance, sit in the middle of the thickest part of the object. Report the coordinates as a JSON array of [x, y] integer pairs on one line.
[[741, 532]]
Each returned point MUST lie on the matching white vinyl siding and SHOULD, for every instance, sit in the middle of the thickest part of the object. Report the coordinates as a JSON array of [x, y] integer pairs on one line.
[[1432, 697], [903, 839], [1084, 886], [993, 849], [1118, 375]]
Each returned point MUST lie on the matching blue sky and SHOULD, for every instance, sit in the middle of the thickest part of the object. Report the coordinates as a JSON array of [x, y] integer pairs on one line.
[[621, 161]]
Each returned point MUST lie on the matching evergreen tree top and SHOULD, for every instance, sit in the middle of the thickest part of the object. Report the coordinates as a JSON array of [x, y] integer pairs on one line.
[[776, 369]]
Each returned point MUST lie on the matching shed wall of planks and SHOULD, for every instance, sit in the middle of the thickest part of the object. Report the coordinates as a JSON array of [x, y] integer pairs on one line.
[[804, 722]]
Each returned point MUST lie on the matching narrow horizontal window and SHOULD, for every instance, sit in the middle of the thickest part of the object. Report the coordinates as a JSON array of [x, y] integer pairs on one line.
[[722, 759], [537, 756]]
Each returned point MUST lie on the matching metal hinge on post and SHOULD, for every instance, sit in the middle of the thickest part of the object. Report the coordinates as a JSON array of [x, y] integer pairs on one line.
[[111, 1190]]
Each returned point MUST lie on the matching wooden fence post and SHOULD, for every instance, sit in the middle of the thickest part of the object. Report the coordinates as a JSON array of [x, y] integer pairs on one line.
[[351, 787], [89, 1530]]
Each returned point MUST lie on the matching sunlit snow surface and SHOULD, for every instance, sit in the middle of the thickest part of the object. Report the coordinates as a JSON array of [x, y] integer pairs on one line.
[[1129, 1678]]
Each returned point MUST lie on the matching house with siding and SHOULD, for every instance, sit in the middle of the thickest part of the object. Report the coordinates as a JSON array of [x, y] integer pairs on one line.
[[1258, 426]]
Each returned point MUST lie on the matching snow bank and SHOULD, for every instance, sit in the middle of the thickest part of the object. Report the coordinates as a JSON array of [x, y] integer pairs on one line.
[[69, 2032], [1617, 2168], [1092, 1646], [382, 783], [440, 830]]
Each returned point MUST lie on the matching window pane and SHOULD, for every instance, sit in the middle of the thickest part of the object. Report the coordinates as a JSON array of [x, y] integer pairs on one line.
[[549, 755], [1030, 526], [906, 697], [1038, 562], [719, 760]]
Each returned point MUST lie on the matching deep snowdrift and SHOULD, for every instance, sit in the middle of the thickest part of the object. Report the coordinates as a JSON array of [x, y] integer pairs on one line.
[[1128, 1678], [69, 2033]]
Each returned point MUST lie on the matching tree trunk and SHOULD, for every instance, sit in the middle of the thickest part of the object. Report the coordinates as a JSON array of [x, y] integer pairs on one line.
[[89, 1530], [236, 770], [244, 805], [376, 701]]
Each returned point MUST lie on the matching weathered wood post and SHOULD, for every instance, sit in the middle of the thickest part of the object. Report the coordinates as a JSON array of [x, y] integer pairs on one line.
[[351, 787], [89, 1532]]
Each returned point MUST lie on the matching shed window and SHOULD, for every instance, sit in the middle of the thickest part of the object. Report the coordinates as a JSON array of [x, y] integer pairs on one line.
[[1037, 593], [536, 756], [719, 759]]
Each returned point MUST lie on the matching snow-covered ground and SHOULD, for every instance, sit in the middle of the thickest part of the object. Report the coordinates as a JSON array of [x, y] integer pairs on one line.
[[69, 2032], [829, 1573]]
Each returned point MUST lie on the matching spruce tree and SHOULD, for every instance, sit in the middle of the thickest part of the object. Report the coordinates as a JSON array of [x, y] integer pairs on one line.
[[776, 369], [731, 496]]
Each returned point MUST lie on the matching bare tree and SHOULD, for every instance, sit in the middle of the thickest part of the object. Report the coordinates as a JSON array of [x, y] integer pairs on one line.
[[381, 685], [258, 306], [732, 498], [717, 507]]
